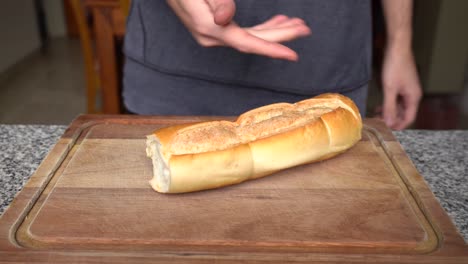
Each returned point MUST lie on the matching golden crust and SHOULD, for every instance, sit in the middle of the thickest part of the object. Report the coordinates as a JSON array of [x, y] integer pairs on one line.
[[342, 128], [193, 172], [263, 113], [166, 134], [298, 146], [260, 142], [345, 100]]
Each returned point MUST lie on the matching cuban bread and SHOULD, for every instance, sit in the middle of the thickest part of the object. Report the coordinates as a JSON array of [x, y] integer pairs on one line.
[[207, 155]]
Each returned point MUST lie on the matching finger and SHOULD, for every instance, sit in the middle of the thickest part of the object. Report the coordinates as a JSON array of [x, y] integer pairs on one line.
[[223, 11], [291, 22], [390, 108], [398, 122], [206, 41], [241, 40], [282, 24], [282, 34], [276, 20], [409, 112]]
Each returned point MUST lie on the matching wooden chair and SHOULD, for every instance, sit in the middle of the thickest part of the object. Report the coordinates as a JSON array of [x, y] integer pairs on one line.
[[125, 6], [91, 74], [93, 87]]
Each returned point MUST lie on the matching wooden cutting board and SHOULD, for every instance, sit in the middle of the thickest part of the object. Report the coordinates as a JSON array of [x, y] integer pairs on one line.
[[90, 201]]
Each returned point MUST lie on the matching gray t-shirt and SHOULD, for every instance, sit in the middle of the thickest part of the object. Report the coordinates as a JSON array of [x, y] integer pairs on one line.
[[166, 70]]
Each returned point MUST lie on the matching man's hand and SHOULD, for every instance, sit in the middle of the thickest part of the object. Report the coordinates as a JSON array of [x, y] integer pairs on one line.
[[402, 90], [210, 23]]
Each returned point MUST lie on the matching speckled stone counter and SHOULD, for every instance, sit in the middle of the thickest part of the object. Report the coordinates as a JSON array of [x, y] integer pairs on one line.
[[440, 156]]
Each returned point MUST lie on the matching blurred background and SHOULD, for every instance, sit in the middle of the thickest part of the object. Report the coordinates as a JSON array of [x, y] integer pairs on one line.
[[62, 58]]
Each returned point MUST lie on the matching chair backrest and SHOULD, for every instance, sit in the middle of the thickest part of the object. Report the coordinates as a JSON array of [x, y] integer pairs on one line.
[[125, 6], [91, 75]]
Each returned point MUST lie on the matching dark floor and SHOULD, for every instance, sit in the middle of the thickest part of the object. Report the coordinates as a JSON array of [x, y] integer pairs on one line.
[[49, 88]]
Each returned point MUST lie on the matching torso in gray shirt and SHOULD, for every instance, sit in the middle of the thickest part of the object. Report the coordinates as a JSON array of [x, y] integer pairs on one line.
[[167, 72]]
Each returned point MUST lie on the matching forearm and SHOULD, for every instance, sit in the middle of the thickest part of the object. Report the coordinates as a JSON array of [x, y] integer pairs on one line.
[[402, 90], [398, 19]]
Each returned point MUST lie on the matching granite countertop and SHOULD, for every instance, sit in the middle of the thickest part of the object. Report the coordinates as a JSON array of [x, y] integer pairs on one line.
[[440, 156]]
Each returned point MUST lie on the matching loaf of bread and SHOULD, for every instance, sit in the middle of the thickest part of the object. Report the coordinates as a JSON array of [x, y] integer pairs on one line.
[[262, 141]]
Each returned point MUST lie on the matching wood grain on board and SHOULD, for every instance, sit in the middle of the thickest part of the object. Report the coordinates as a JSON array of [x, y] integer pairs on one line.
[[90, 199]]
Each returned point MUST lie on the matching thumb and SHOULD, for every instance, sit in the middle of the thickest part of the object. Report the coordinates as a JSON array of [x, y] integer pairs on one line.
[[223, 10], [390, 109]]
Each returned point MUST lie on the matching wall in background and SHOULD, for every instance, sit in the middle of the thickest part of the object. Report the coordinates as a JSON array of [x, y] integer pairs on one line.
[[441, 45], [55, 18], [19, 31]]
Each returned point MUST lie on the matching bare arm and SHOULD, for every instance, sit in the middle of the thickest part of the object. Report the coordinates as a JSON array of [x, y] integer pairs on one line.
[[398, 16], [402, 90]]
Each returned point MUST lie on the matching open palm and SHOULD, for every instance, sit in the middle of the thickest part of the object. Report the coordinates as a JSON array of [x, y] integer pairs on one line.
[[210, 23]]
